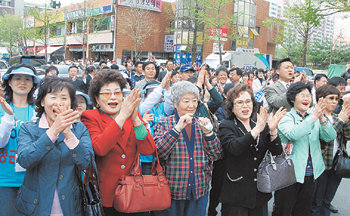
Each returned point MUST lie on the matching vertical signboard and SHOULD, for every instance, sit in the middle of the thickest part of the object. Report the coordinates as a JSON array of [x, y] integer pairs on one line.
[[168, 43]]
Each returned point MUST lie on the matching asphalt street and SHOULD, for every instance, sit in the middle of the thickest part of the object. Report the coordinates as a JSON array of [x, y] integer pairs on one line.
[[341, 200]]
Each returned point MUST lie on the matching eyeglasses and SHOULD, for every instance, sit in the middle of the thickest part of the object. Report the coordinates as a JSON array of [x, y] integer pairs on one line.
[[333, 98], [305, 95], [241, 102], [108, 95]]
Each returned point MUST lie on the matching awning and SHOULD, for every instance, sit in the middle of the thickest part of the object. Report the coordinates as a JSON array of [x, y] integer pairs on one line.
[[254, 32], [49, 50], [183, 48], [242, 31]]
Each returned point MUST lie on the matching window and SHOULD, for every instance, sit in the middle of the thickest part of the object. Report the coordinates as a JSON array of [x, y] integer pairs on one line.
[[2, 65], [58, 30], [77, 27], [102, 24]]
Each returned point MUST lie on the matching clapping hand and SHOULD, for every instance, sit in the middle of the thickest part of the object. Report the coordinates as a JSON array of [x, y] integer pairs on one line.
[[275, 119], [64, 120], [129, 108], [6, 107], [184, 121], [345, 113], [148, 117], [318, 110], [262, 117]]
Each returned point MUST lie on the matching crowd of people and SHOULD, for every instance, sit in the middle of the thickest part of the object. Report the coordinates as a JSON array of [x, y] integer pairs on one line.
[[210, 127]]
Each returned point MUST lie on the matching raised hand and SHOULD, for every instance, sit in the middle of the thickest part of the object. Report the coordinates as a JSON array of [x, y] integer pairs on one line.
[[148, 117], [319, 109], [184, 121], [6, 107], [275, 119], [65, 118], [166, 81], [262, 117], [205, 125], [345, 113]]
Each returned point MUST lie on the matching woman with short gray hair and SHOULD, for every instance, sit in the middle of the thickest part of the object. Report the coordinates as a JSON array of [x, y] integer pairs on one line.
[[188, 145], [181, 88]]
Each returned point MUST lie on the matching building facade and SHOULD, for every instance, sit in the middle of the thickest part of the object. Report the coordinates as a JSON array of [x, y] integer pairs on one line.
[[7, 6], [249, 28], [97, 30]]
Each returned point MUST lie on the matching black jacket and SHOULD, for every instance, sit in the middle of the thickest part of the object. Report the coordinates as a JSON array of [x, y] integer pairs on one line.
[[242, 158]]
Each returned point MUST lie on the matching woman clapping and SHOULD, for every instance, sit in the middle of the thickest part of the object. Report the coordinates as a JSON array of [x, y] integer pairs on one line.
[[245, 140]]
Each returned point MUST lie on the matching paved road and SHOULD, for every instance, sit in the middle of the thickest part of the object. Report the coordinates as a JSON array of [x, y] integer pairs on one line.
[[341, 200]]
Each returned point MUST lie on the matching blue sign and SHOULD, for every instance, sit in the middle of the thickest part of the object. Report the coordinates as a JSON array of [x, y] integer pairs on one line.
[[189, 58], [177, 58], [199, 59], [183, 58]]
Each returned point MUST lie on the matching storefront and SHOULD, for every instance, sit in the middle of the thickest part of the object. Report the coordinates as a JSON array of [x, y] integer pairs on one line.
[[102, 51], [76, 52]]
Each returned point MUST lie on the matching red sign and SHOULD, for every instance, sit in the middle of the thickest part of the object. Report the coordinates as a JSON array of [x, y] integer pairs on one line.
[[223, 32]]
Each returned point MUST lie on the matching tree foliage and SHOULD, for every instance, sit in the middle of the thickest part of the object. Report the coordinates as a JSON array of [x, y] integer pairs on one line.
[[324, 53], [303, 17], [44, 20], [214, 14], [11, 31]]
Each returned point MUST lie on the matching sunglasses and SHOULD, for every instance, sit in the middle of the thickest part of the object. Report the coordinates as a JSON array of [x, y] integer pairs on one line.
[[108, 95], [333, 98]]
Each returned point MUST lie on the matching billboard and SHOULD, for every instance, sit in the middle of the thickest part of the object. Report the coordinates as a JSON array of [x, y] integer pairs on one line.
[[223, 32], [153, 5], [169, 43]]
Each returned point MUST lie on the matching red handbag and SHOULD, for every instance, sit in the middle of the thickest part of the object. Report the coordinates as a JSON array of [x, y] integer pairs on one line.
[[142, 193]]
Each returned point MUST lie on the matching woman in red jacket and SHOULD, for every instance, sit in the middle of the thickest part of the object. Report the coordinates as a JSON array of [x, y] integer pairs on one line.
[[117, 132]]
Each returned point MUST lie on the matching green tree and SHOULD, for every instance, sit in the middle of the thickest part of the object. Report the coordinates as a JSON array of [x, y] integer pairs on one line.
[[286, 37], [304, 15], [11, 31], [44, 20], [214, 14]]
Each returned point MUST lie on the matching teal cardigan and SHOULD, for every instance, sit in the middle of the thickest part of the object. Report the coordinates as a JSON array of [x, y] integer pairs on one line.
[[305, 134]]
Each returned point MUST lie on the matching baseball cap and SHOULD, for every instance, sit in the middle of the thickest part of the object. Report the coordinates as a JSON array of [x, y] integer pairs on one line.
[[186, 67]]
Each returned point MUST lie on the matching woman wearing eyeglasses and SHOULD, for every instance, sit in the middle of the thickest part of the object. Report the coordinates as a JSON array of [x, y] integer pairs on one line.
[[328, 182], [245, 140], [302, 130], [117, 132]]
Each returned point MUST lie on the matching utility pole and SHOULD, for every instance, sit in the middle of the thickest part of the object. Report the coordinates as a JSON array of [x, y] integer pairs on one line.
[[115, 30], [84, 31], [46, 25]]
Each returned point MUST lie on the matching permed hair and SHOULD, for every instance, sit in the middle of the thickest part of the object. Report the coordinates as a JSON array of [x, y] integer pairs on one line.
[[183, 87], [234, 93], [102, 78]]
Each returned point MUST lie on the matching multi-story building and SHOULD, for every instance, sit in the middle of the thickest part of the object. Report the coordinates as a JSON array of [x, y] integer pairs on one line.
[[7, 6], [95, 28], [249, 28], [276, 8], [325, 31]]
